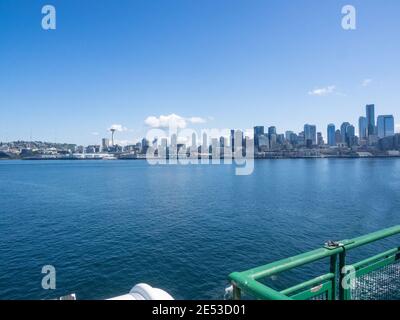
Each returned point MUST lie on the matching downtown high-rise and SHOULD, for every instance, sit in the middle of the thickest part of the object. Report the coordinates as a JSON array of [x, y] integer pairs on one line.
[[370, 113], [331, 135], [385, 125]]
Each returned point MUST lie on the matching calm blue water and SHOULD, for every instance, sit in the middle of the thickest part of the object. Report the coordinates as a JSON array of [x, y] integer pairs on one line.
[[106, 226]]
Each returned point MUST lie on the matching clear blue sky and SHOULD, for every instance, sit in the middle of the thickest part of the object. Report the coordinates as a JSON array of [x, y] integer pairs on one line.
[[235, 63]]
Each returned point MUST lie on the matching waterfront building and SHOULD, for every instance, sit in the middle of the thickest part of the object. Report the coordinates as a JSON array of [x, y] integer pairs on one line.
[[145, 145], [390, 143], [331, 135], [272, 141], [280, 138], [310, 133], [362, 128], [320, 139], [373, 140], [258, 131], [370, 113], [350, 136], [263, 143], [291, 137], [338, 137], [271, 131], [288, 134], [343, 131], [385, 126], [301, 139], [105, 143]]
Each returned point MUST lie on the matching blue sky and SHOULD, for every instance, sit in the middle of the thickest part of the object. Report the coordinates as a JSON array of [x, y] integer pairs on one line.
[[233, 63]]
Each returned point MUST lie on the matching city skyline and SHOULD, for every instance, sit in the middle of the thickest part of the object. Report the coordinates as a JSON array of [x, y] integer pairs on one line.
[[211, 67], [310, 131]]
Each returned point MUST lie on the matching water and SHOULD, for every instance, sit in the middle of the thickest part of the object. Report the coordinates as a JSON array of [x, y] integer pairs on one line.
[[107, 225]]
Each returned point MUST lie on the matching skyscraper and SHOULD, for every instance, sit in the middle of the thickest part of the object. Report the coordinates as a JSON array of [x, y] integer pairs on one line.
[[362, 128], [385, 126], [343, 131], [291, 137], [370, 112], [288, 134], [146, 144], [350, 135], [271, 131], [331, 135], [258, 131], [310, 133], [105, 144], [320, 139], [263, 143], [338, 136]]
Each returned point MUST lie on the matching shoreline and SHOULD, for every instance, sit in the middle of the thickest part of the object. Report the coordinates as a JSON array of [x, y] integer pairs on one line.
[[258, 159]]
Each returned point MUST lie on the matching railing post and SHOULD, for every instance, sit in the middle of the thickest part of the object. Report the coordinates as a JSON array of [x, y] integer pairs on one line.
[[336, 271], [344, 286]]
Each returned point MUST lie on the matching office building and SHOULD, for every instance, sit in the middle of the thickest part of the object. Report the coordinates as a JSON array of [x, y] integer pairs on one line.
[[370, 113], [385, 126], [331, 135], [343, 131], [105, 144], [320, 139], [310, 133], [258, 131], [338, 137], [351, 136], [362, 128]]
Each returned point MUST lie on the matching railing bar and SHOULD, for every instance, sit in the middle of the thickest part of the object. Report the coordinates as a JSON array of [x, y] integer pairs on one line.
[[290, 263], [315, 255], [309, 283], [372, 237], [374, 259]]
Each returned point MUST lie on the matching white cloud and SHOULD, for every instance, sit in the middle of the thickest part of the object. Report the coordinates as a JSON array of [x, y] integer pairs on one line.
[[173, 121], [366, 82], [322, 91], [197, 120], [118, 128], [95, 133]]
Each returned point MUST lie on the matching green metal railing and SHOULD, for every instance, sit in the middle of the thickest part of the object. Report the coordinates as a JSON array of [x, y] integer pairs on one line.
[[377, 277]]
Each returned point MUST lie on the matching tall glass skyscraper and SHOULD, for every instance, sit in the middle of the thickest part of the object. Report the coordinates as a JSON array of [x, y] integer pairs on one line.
[[370, 111], [350, 136], [310, 133], [385, 126], [343, 131], [331, 135], [271, 131], [258, 131], [362, 128]]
